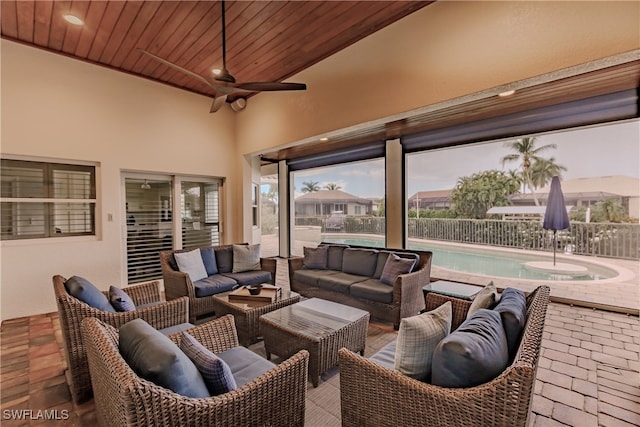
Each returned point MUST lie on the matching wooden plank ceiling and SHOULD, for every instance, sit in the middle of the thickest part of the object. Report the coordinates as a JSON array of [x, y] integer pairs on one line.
[[267, 41]]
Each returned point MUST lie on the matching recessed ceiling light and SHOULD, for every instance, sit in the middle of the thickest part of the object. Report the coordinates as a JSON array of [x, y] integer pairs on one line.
[[216, 71], [72, 19], [325, 139], [506, 93]]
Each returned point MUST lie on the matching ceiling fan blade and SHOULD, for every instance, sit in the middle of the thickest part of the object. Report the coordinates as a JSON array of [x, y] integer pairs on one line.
[[218, 102], [177, 67], [270, 86]]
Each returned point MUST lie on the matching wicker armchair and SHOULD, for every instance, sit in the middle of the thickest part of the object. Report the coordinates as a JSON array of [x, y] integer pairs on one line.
[[275, 398], [372, 395], [72, 311], [178, 284]]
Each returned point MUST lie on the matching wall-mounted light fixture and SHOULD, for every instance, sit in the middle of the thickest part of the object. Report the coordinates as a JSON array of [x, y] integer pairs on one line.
[[239, 104]]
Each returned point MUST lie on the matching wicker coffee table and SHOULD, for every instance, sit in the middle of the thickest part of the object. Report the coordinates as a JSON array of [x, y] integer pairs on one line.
[[319, 326], [246, 314]]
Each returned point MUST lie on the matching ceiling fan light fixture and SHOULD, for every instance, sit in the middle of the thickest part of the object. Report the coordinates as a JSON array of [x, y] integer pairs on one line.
[[72, 19], [145, 185]]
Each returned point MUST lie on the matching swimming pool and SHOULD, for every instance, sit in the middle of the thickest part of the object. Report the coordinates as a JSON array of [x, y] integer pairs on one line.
[[485, 261]]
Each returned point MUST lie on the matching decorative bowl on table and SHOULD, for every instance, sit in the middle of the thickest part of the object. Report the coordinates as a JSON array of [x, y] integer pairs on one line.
[[254, 289]]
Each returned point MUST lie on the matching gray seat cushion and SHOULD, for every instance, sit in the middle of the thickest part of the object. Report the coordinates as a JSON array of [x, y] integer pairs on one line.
[[361, 262], [386, 356], [80, 288], [156, 358], [473, 354], [334, 256], [513, 311], [209, 260], [253, 277], [213, 285], [245, 364], [310, 277], [373, 290], [224, 259], [339, 282]]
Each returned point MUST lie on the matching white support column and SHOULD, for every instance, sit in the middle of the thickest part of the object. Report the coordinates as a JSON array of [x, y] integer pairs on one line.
[[394, 198]]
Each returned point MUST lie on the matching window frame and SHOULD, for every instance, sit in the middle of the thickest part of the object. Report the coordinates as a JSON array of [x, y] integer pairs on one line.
[[49, 200]]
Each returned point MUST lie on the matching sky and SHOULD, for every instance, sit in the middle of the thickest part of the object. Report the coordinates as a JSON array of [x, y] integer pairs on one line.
[[597, 151]]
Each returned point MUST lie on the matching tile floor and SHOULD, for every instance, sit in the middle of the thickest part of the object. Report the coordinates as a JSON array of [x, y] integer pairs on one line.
[[588, 372]]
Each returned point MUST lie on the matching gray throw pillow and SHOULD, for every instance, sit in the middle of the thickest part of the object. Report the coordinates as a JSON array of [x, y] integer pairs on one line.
[[154, 357], [191, 263], [473, 354], [80, 288], [417, 339], [513, 311], [215, 371], [394, 267], [120, 300], [209, 261], [315, 258], [246, 258]]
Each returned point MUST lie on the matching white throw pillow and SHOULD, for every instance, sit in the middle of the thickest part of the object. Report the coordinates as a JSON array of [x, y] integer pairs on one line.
[[246, 258], [192, 264], [483, 299], [417, 339]]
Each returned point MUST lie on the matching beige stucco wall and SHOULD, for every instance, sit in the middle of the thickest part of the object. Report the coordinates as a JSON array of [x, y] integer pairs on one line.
[[58, 108], [443, 51]]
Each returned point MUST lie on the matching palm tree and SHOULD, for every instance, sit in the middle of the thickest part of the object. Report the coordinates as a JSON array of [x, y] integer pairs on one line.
[[543, 170], [310, 187], [332, 186], [526, 152]]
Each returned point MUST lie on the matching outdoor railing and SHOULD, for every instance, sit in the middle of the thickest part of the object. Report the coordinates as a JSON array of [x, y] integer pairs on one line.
[[613, 240]]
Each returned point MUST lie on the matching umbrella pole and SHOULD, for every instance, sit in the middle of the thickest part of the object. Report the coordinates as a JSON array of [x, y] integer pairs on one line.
[[554, 248]]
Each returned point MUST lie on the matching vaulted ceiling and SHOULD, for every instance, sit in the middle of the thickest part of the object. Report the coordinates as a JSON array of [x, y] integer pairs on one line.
[[267, 41]]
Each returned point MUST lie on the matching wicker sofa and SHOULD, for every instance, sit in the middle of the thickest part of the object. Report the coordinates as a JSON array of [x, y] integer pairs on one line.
[[392, 398], [178, 284], [337, 282], [158, 313], [122, 398]]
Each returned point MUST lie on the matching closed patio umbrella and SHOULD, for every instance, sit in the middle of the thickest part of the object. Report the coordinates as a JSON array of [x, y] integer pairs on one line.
[[555, 214]]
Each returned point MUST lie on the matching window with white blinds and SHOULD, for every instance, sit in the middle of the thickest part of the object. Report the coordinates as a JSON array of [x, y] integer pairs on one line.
[[151, 220], [200, 203], [41, 200]]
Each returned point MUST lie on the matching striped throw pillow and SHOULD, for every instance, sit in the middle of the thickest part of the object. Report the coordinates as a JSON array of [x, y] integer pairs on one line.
[[216, 373], [418, 338]]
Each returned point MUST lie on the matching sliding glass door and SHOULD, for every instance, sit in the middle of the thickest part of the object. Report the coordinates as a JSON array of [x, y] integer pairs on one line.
[[164, 213], [149, 225]]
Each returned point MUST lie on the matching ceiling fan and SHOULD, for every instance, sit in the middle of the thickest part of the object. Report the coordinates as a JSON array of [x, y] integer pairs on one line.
[[228, 85]]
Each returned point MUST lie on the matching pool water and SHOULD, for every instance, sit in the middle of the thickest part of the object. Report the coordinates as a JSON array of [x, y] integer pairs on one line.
[[486, 262]]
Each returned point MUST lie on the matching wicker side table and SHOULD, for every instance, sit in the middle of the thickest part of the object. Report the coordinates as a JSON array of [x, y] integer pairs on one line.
[[459, 294], [318, 326], [246, 315]]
